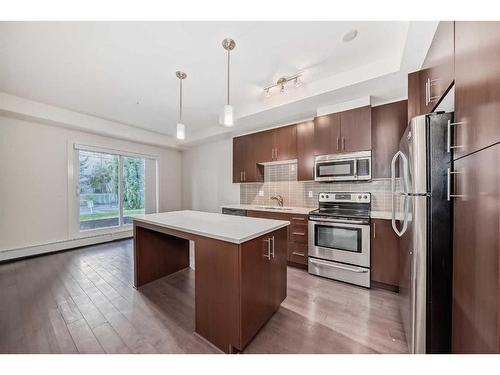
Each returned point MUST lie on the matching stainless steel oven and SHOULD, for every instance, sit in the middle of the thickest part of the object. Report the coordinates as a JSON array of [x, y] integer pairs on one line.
[[339, 238], [356, 166]]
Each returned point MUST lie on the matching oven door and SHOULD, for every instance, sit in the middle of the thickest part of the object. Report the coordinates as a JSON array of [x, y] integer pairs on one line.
[[340, 242], [335, 170]]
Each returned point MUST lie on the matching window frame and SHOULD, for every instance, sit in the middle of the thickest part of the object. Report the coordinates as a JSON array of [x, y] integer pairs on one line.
[[74, 189]]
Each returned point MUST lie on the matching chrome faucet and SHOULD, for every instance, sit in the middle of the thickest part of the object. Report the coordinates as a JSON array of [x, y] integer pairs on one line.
[[278, 198]]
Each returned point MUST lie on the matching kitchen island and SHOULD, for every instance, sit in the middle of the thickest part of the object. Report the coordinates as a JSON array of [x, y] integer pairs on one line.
[[240, 268]]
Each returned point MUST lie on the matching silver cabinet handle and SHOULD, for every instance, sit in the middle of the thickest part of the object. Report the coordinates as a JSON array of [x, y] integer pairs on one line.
[[276, 153], [448, 138], [343, 143], [241, 176], [432, 82], [272, 247], [268, 254], [298, 218], [244, 176], [299, 233], [298, 254], [334, 265], [374, 229], [448, 185], [338, 144]]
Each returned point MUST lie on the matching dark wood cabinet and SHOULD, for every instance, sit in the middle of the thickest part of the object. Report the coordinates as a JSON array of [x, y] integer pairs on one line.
[[285, 142], [428, 86], [275, 144], [477, 86], [297, 235], [327, 134], [346, 131], [476, 253], [437, 74], [263, 145], [384, 253], [305, 151], [389, 122], [245, 168], [356, 129]]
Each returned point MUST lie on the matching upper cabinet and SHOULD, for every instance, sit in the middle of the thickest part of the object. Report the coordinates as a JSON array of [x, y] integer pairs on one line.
[[356, 129], [346, 131], [305, 151], [327, 134], [276, 144], [245, 169], [428, 86], [437, 74], [477, 87], [389, 122]]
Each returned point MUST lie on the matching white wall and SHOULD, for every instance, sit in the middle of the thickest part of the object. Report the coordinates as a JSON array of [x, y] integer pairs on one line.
[[207, 176], [34, 179]]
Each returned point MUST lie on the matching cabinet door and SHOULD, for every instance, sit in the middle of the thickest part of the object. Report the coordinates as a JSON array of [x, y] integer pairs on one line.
[[477, 87], [305, 151], [257, 295], [239, 155], [356, 129], [263, 144], [414, 95], [278, 267], [476, 234], [389, 122], [327, 134], [285, 142], [384, 253], [438, 73], [252, 172]]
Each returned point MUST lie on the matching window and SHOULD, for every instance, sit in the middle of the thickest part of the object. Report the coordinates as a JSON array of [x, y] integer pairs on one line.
[[112, 188]]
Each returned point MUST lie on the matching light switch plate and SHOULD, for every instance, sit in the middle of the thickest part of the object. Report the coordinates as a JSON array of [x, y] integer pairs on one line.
[[310, 194], [261, 193]]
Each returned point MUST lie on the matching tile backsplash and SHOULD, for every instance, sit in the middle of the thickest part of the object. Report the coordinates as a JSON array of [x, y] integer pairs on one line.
[[282, 179]]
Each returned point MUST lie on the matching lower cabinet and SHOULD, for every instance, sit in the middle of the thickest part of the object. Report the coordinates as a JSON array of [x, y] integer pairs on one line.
[[476, 253], [297, 235], [384, 254], [263, 281]]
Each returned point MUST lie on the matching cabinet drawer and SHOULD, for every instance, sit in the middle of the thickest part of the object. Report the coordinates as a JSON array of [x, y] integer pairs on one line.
[[298, 233], [297, 253]]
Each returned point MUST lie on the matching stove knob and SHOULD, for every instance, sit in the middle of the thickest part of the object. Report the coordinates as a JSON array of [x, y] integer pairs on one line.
[[321, 196], [365, 196], [327, 196], [359, 196]]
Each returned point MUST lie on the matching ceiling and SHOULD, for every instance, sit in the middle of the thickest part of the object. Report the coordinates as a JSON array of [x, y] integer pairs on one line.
[[125, 71]]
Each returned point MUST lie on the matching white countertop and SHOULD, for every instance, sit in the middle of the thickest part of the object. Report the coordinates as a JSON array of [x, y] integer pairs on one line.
[[235, 229], [299, 210], [284, 210]]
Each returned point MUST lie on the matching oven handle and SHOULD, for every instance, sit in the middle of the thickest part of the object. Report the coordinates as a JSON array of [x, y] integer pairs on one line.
[[342, 267], [359, 222]]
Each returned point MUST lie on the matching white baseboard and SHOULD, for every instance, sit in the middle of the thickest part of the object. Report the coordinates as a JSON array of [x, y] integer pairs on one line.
[[62, 245]]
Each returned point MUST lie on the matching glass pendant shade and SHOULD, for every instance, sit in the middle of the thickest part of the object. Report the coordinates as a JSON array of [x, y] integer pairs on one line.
[[227, 116], [181, 131]]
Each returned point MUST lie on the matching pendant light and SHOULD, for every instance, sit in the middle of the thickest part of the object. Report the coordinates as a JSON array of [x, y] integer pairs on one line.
[[227, 114], [181, 128]]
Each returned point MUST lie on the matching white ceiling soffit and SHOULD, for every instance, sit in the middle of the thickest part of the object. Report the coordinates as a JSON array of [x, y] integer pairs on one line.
[[125, 71]]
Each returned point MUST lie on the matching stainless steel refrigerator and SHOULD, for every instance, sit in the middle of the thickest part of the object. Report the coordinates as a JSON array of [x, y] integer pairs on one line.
[[422, 218]]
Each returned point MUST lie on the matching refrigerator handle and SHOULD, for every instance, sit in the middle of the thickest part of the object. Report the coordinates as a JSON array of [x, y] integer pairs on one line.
[[405, 194]]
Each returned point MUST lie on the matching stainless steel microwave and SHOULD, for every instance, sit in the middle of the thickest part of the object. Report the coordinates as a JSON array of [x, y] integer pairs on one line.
[[356, 166]]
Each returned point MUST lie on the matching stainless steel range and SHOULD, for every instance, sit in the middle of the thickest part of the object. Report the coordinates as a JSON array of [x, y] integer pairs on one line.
[[339, 237]]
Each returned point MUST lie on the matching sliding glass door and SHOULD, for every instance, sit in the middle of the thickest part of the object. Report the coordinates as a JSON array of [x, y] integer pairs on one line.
[[112, 189], [133, 188]]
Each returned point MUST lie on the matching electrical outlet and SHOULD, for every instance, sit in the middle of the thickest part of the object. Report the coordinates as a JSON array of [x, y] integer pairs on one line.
[[261, 193], [310, 194]]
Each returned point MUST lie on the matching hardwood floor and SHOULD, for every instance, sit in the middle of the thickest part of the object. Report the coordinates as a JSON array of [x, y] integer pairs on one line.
[[82, 301]]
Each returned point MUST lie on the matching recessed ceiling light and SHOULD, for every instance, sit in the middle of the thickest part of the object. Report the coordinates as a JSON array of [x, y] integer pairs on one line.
[[350, 35]]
